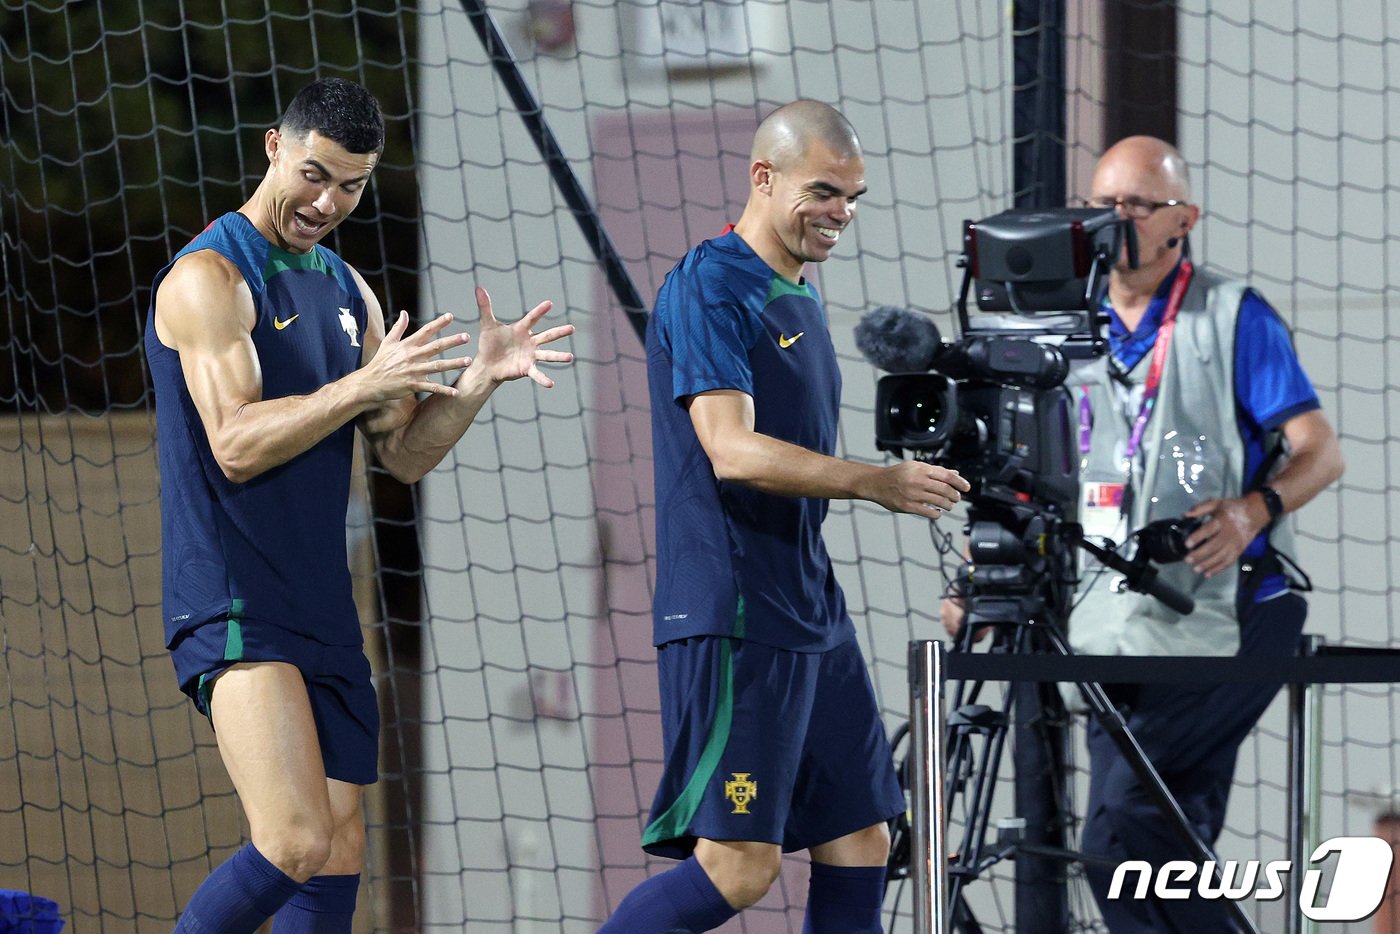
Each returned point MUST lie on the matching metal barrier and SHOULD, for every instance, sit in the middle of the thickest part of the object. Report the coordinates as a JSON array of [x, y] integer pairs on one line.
[[931, 667], [929, 822]]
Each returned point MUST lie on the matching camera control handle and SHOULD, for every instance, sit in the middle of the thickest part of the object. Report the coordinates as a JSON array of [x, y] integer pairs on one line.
[[1142, 578]]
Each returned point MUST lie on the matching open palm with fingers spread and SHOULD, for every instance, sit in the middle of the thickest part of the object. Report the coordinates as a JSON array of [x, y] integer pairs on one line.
[[512, 351], [405, 363]]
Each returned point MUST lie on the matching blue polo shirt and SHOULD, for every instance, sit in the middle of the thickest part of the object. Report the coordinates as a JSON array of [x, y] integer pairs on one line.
[[1270, 384], [732, 561]]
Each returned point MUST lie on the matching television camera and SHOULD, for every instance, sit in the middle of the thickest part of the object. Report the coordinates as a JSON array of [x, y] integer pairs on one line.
[[992, 404]]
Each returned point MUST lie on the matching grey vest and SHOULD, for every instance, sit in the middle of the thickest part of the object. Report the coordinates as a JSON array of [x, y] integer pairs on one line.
[[1191, 451]]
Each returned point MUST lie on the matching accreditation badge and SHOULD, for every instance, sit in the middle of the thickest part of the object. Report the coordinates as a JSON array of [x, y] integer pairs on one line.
[[1101, 509]]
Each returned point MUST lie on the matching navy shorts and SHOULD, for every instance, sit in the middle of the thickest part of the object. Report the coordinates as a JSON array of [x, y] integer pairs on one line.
[[768, 745], [338, 685]]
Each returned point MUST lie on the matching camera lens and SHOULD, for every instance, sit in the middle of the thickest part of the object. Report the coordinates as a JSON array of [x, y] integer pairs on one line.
[[1164, 541], [914, 411], [918, 410]]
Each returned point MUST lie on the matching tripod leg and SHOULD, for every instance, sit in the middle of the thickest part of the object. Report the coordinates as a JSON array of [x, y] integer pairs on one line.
[[964, 922], [1116, 728], [972, 778], [1042, 896]]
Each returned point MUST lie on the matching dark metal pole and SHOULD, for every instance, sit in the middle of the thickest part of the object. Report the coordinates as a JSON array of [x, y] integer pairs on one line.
[[1038, 127], [1038, 103], [508, 71], [1301, 706], [1140, 69]]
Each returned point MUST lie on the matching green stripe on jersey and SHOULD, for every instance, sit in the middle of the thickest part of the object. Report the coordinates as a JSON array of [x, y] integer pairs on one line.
[[233, 652], [279, 260], [780, 287]]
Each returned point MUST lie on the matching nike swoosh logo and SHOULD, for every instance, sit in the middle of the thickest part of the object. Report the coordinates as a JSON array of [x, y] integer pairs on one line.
[[785, 342], [279, 325]]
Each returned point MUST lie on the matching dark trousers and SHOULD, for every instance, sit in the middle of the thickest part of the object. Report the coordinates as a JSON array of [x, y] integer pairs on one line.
[[1192, 735]]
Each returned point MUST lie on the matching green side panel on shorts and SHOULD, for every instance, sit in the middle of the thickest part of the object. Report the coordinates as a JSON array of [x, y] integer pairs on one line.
[[675, 820], [233, 645], [233, 652]]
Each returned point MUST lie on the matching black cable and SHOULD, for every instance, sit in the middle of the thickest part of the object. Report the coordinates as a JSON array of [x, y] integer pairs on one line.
[[532, 115]]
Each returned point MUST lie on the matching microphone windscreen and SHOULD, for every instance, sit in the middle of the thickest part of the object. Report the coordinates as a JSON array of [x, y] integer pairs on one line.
[[897, 340]]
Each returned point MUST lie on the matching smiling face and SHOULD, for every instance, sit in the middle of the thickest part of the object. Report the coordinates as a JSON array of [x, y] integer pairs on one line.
[[807, 201], [312, 184]]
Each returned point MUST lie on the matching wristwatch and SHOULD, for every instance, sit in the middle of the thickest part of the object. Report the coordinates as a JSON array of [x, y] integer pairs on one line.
[[1272, 502]]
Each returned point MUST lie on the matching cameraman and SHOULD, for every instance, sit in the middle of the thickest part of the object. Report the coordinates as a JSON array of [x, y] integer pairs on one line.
[[1200, 409]]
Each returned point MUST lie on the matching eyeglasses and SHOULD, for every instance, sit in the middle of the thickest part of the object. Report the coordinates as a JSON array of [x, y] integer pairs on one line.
[[1136, 208]]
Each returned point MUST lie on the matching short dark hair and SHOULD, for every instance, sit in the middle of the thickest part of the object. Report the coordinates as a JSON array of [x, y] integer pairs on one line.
[[340, 110]]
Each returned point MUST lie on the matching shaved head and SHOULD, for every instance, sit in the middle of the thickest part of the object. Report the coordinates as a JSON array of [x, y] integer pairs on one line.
[[805, 175], [1146, 178], [785, 136], [1151, 158]]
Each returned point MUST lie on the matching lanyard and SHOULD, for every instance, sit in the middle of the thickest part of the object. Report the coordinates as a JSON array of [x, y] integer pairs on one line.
[[1159, 357]]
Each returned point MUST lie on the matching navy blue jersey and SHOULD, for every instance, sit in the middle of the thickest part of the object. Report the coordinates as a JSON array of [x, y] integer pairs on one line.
[[271, 549], [732, 561]]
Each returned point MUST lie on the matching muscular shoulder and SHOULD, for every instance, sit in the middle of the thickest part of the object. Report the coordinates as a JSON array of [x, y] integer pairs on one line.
[[203, 269], [732, 269], [202, 290]]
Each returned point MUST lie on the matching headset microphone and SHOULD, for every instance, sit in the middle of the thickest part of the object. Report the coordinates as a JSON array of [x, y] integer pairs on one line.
[[1172, 242]]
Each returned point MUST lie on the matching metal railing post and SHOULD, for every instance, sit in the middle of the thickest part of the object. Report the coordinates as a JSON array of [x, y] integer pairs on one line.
[[1312, 779], [929, 824], [1303, 783]]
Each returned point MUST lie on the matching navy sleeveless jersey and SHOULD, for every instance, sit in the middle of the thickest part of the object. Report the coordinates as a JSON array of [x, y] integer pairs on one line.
[[732, 561], [271, 549]]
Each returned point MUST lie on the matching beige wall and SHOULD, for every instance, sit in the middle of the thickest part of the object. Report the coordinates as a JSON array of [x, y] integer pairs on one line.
[[112, 798], [113, 801]]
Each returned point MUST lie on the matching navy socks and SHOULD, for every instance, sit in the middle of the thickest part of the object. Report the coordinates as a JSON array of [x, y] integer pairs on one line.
[[238, 896], [845, 900], [679, 901], [325, 905]]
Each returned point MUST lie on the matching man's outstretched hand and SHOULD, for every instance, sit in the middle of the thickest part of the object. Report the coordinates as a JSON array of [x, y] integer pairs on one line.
[[511, 351]]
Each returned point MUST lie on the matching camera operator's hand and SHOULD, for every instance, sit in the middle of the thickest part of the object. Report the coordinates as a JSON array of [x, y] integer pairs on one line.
[[952, 609], [1231, 524], [952, 613], [918, 488]]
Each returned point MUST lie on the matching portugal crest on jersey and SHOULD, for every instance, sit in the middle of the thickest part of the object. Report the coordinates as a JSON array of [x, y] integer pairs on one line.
[[351, 326]]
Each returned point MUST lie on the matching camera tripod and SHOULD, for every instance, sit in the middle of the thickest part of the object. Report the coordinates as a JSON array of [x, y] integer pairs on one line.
[[1020, 587]]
